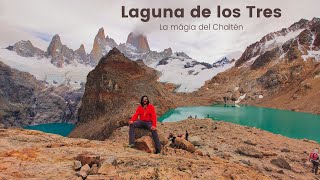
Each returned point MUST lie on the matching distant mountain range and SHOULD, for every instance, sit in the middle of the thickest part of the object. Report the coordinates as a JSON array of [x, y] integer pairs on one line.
[[135, 48]]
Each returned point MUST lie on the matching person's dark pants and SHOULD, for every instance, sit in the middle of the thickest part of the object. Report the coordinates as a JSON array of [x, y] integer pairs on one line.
[[315, 166], [144, 125]]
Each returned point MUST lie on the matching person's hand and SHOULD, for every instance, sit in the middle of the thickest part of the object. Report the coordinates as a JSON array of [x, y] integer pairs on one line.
[[153, 128], [130, 122]]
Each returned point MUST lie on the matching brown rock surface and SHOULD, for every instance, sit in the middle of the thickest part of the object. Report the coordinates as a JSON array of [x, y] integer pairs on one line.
[[146, 144], [88, 158], [25, 154]]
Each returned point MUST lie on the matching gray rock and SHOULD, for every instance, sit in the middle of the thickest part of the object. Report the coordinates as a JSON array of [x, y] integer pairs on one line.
[[249, 151], [247, 162], [250, 142], [195, 140], [281, 163]]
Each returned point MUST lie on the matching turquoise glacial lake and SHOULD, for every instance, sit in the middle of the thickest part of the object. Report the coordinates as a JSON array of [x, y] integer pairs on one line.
[[287, 123], [62, 129]]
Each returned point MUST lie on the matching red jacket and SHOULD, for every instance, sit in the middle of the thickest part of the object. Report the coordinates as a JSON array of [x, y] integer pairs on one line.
[[146, 114]]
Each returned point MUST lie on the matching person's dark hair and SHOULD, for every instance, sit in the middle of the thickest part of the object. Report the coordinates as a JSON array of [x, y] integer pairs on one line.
[[141, 101]]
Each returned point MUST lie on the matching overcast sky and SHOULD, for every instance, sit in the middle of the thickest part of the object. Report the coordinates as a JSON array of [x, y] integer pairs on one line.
[[77, 21]]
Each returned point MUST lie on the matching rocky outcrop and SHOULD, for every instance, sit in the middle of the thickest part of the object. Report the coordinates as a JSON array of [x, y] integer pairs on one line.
[[113, 91], [26, 49]]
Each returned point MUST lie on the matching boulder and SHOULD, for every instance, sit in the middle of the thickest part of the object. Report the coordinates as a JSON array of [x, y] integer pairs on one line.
[[107, 169], [94, 169], [144, 132], [249, 151], [84, 171], [77, 165], [88, 158], [281, 163], [181, 143], [195, 140], [146, 144]]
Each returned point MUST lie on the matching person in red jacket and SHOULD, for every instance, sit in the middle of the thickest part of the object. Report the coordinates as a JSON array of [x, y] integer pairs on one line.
[[147, 120]]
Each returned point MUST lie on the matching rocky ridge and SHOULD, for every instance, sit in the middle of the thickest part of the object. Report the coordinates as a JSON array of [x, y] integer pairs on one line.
[[27, 101]]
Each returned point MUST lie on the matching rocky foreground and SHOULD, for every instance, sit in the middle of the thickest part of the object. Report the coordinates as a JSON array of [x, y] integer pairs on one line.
[[223, 151]]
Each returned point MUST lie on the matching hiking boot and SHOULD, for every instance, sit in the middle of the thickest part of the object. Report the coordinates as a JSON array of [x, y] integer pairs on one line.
[[131, 145]]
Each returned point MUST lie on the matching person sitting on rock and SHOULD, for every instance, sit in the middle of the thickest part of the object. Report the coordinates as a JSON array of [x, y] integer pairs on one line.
[[147, 120], [314, 159]]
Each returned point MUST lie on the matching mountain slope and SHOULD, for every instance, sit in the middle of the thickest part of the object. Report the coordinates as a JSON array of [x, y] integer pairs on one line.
[[28, 101], [275, 73]]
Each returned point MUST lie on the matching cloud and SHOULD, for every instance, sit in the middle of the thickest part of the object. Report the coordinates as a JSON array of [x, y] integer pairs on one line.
[[77, 22]]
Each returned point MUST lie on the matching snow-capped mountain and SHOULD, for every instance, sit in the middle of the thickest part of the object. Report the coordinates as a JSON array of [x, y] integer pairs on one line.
[[224, 61], [137, 47], [188, 74], [300, 40], [60, 64], [73, 74], [59, 54]]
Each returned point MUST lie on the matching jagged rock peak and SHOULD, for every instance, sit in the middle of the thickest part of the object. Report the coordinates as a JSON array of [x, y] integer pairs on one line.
[[101, 34], [139, 41], [56, 39], [54, 45]]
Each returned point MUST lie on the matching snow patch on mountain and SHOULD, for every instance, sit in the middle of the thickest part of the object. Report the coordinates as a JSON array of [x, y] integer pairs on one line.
[[312, 54], [188, 74], [42, 69]]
